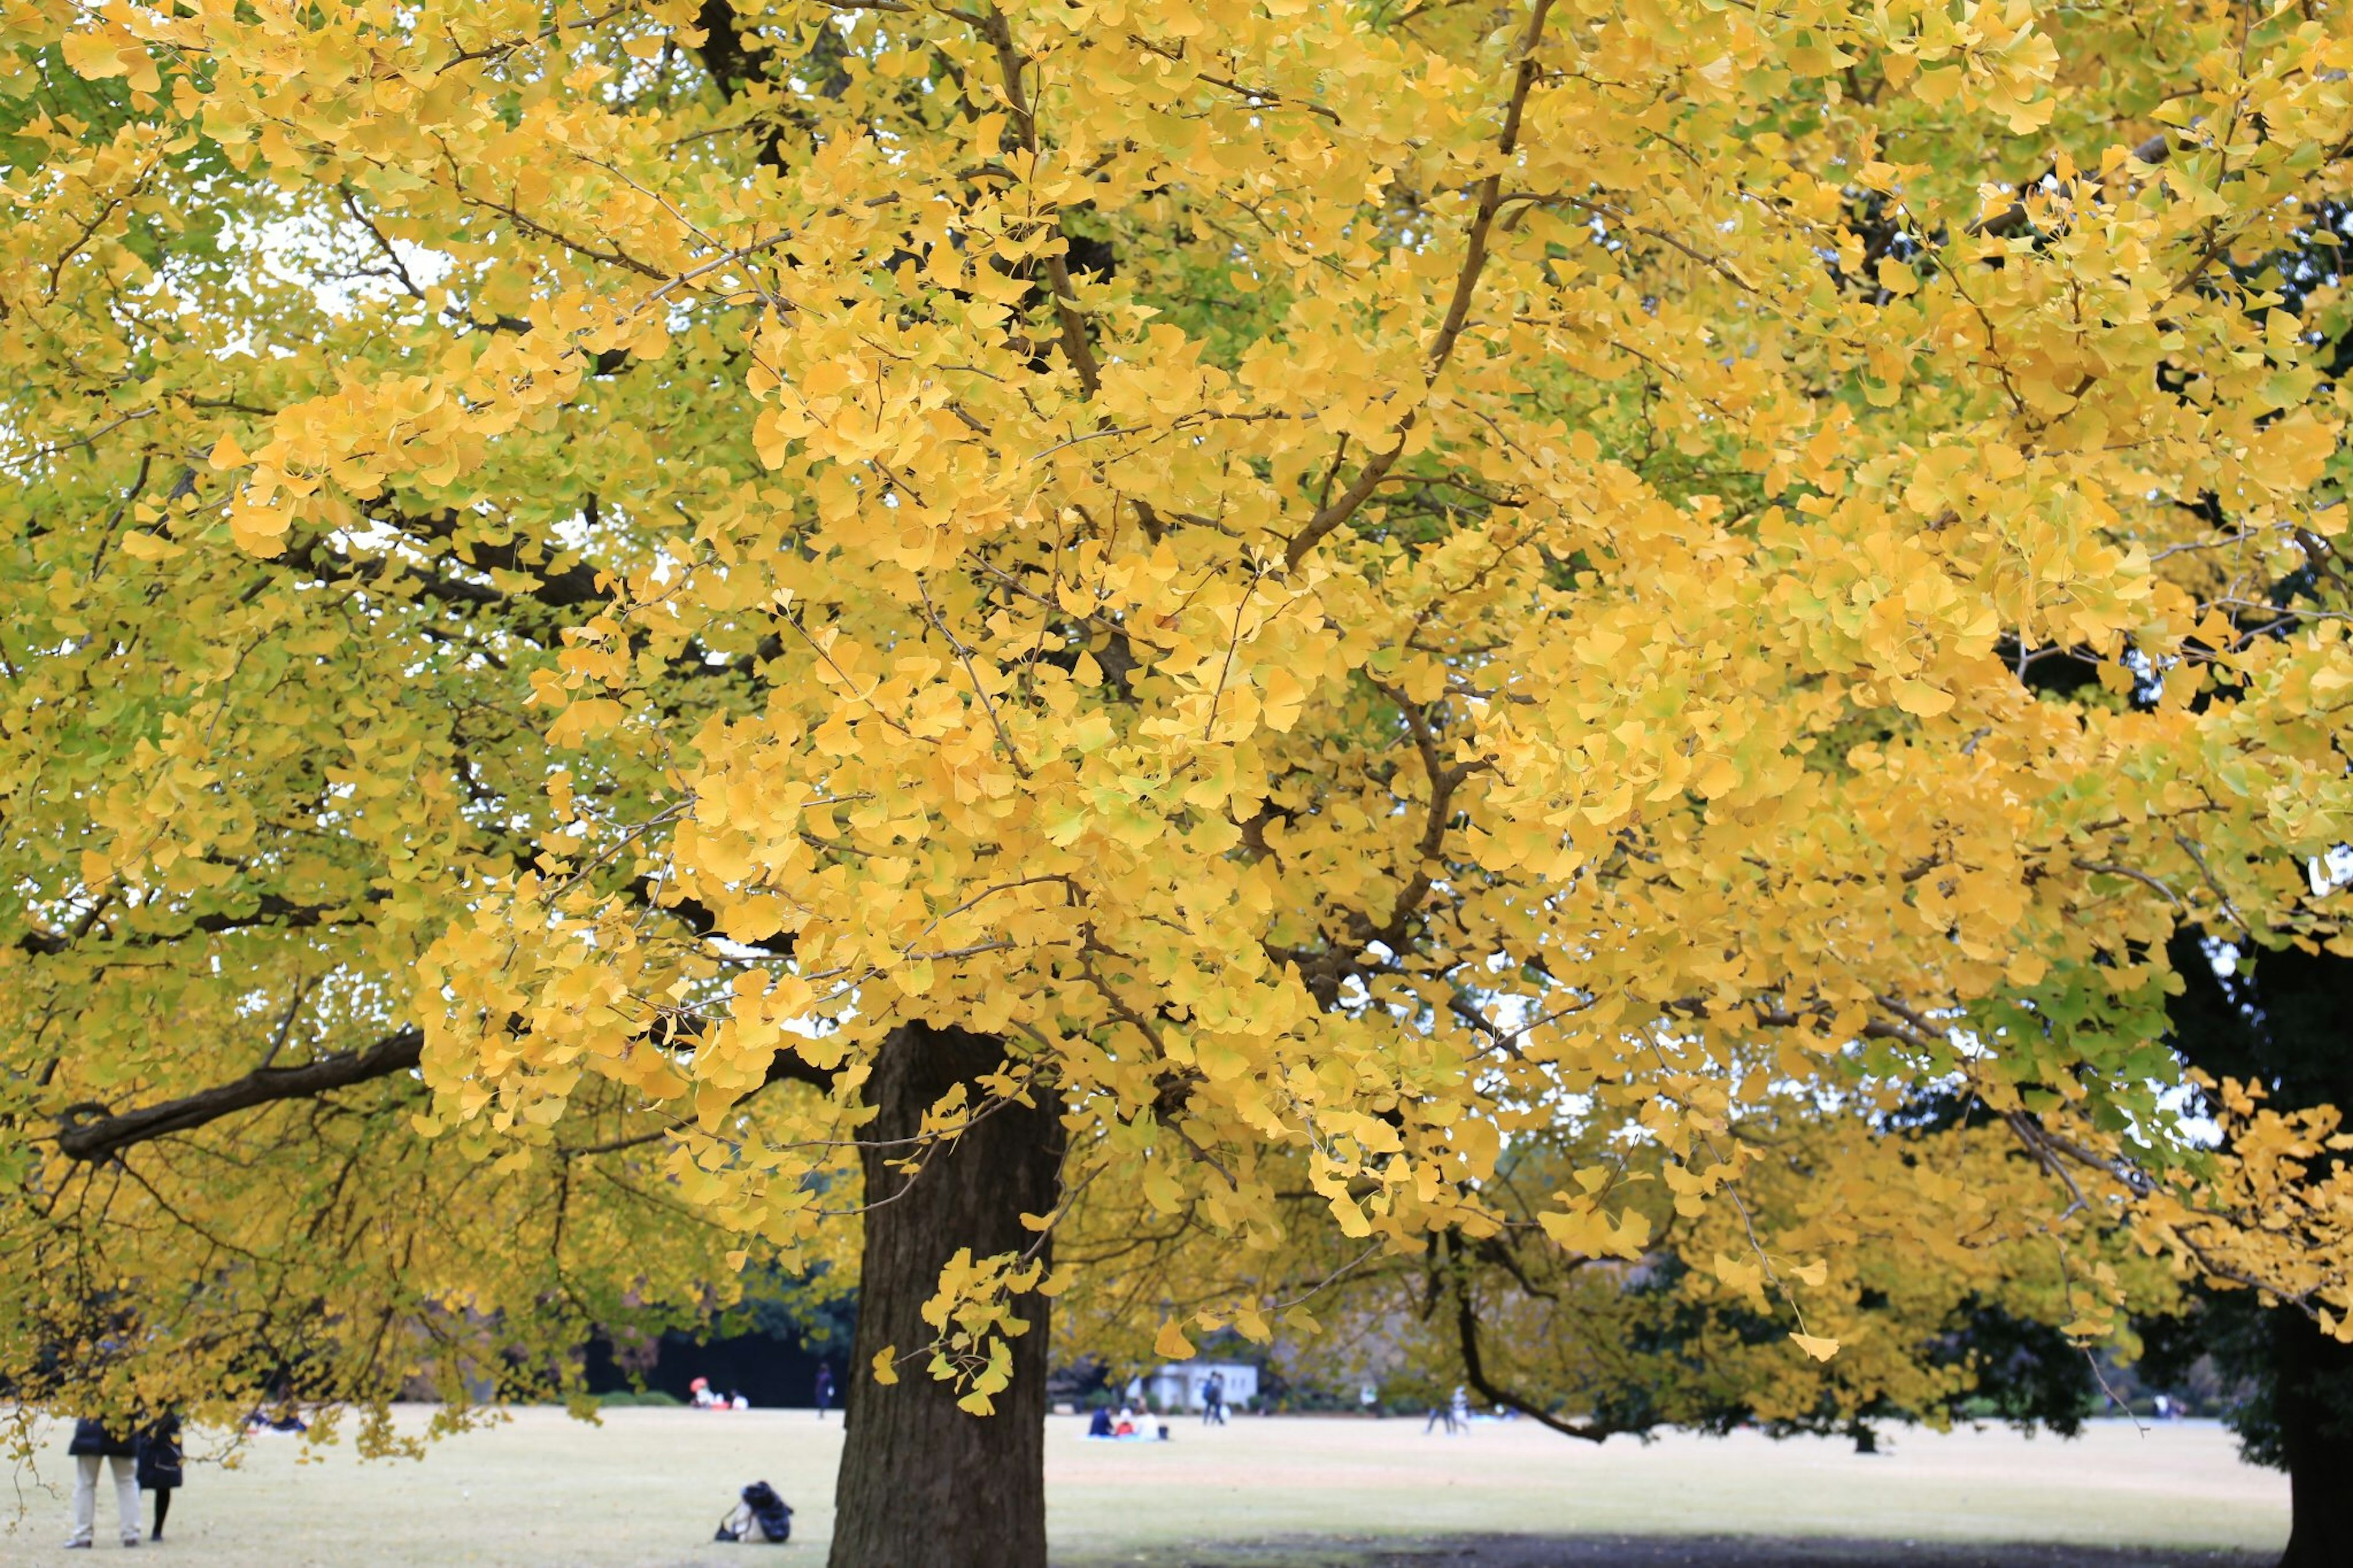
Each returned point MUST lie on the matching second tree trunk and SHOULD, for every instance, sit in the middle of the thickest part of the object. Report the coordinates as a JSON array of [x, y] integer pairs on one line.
[[2313, 1400]]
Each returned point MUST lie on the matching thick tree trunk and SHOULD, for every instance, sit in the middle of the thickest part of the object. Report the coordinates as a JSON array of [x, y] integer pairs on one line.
[[923, 1484], [2314, 1401]]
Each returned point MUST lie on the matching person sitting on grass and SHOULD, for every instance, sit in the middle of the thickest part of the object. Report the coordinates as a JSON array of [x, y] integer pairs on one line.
[[1101, 1426], [761, 1517]]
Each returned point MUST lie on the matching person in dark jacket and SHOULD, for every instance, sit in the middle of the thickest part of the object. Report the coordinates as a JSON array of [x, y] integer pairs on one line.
[[159, 1468], [93, 1443], [824, 1389], [1213, 1400]]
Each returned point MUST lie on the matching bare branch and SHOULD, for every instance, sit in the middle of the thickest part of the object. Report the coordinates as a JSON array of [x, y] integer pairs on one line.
[[106, 1136]]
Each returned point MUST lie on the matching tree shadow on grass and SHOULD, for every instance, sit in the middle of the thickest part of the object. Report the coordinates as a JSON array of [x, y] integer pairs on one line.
[[1661, 1552]]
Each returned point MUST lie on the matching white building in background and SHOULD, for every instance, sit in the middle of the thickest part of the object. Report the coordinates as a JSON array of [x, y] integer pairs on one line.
[[1178, 1385]]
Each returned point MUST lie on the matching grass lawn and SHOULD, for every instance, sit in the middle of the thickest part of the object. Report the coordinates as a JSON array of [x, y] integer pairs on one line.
[[647, 1487]]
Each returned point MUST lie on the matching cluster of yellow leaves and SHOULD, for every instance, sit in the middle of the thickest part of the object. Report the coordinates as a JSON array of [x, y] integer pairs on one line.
[[2272, 1213], [973, 1321], [1887, 1247]]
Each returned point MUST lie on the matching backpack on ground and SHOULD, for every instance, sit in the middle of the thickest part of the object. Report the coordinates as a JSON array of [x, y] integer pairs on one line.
[[763, 1516]]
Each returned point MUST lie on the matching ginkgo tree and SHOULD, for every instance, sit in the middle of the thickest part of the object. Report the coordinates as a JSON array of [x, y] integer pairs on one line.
[[951, 609]]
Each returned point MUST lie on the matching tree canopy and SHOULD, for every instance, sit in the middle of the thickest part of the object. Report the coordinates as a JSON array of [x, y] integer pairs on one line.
[[1317, 599]]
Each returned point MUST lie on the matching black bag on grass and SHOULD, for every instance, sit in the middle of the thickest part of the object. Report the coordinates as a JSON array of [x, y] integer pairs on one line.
[[763, 1516]]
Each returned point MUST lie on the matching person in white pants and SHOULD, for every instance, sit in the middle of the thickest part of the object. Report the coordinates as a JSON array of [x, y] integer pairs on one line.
[[94, 1446]]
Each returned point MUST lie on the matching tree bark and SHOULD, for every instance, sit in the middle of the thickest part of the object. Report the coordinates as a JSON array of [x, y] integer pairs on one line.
[[2314, 1401], [923, 1484]]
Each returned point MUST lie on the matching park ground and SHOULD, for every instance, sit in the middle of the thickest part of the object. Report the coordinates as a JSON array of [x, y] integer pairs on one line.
[[645, 1488]]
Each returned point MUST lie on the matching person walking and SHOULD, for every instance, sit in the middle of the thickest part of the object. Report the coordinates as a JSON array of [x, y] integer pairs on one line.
[[159, 1468], [824, 1388], [1457, 1416], [95, 1444], [1213, 1400]]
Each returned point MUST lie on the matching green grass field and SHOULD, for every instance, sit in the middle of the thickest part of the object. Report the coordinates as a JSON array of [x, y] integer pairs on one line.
[[647, 1486]]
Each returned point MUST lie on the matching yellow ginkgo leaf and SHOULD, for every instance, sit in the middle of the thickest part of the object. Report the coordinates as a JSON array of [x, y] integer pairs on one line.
[[1918, 697], [1170, 1344]]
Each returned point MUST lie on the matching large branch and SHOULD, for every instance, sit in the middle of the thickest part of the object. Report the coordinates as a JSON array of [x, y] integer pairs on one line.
[[2013, 219], [569, 588], [106, 1136], [733, 61], [738, 61], [271, 911], [1344, 506], [1010, 65], [703, 921], [539, 613], [1474, 1373]]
